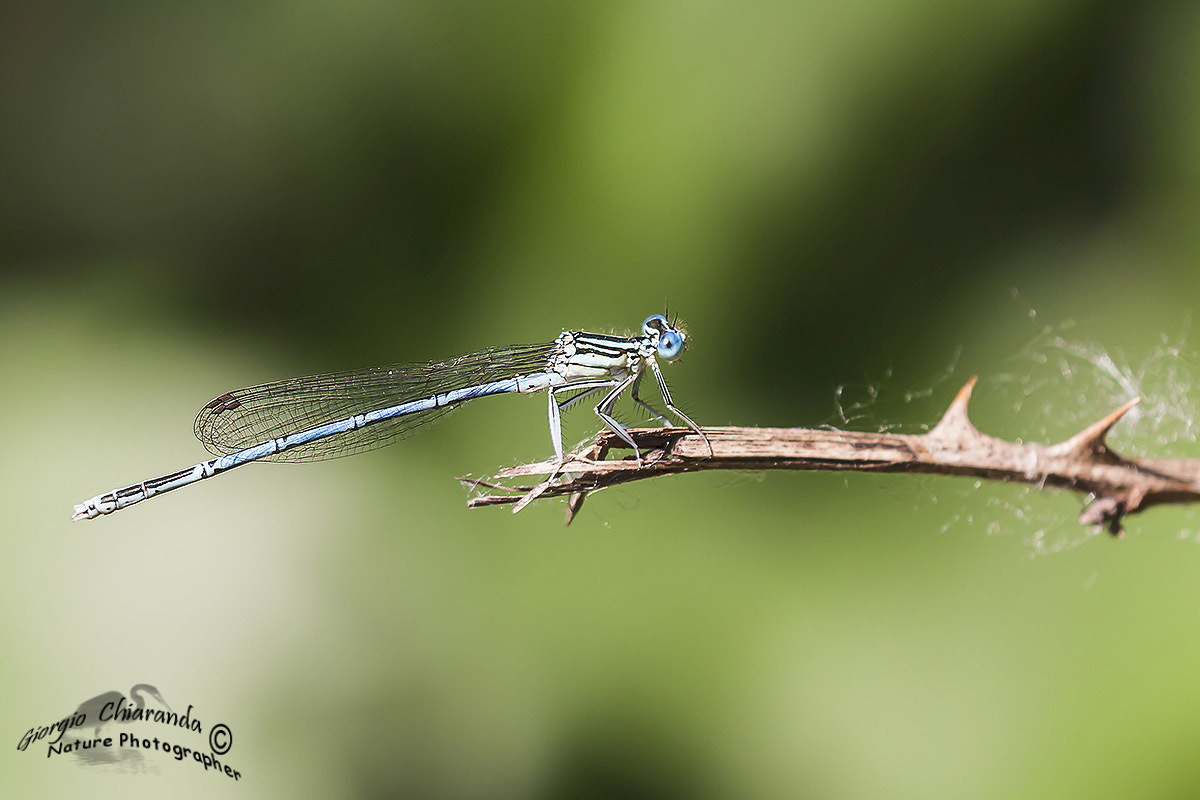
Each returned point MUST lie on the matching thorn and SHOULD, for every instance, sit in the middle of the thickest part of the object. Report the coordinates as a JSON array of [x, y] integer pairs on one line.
[[1109, 511], [955, 423], [574, 503], [1090, 440], [597, 452], [1103, 512], [1113, 521], [964, 394]]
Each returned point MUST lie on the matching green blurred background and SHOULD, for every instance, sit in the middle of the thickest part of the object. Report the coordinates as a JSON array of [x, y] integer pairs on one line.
[[852, 206]]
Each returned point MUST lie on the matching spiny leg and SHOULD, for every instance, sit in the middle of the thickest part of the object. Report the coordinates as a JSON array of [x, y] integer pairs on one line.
[[633, 392], [605, 406], [556, 408], [666, 393], [570, 401], [556, 434]]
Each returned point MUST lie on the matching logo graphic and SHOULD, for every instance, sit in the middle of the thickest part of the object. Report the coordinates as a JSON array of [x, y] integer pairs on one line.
[[126, 733]]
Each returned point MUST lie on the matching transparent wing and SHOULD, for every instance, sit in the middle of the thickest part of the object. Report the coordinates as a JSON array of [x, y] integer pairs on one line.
[[246, 417]]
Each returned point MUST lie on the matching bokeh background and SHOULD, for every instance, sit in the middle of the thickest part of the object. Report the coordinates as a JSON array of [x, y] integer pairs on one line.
[[853, 207]]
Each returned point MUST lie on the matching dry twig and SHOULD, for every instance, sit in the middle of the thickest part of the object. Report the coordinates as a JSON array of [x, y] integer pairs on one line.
[[1117, 485]]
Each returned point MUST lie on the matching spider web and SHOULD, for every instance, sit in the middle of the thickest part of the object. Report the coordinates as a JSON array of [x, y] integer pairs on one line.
[[1053, 386]]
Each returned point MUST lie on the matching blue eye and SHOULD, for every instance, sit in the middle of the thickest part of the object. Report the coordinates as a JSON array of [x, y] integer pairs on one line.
[[670, 345], [654, 323]]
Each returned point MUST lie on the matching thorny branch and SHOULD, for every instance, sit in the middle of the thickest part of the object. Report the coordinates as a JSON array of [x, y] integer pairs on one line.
[[1117, 485]]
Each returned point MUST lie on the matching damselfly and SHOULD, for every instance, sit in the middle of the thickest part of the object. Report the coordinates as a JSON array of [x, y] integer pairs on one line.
[[341, 413]]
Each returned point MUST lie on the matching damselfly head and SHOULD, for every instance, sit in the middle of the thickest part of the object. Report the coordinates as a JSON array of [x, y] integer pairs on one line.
[[671, 340]]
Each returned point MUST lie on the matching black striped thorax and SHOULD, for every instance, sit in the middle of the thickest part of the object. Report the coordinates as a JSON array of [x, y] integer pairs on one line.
[[581, 356]]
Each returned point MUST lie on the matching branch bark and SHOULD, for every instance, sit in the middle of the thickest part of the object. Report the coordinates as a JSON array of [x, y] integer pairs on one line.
[[1118, 486]]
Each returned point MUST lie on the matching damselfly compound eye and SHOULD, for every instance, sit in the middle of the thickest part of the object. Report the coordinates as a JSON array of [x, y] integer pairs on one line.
[[670, 345], [654, 324]]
